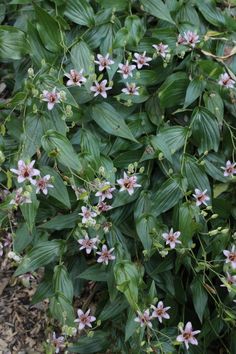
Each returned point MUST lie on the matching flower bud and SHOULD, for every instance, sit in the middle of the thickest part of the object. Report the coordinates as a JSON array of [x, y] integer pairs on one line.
[[31, 72], [2, 157], [213, 232], [224, 231], [214, 216], [62, 95]]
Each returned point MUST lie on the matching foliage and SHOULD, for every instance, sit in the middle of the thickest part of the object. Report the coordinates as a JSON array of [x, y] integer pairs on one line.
[[169, 125]]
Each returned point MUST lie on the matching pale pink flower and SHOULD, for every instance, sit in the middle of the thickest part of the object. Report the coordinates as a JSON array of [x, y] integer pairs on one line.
[[172, 238], [231, 257], [52, 98], [103, 62], [88, 244], [126, 69], [229, 169], [58, 342], [187, 335], [100, 88], [160, 311], [141, 60], [7, 240], [128, 183], [201, 197], [88, 215], [20, 198], [226, 81], [190, 38], [131, 89], [230, 281], [75, 78], [84, 319], [162, 49], [181, 39], [105, 255], [103, 207], [105, 191], [26, 172], [144, 318], [42, 184]]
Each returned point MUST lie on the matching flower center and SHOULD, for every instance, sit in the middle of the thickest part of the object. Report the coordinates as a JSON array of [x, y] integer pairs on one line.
[[128, 184], [187, 335], [232, 257], [26, 172]]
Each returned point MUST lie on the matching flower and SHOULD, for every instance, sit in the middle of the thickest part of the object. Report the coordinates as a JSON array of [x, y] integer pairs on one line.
[[7, 240], [103, 62], [230, 281], [187, 335], [171, 238], [181, 39], [103, 207], [226, 81], [20, 198], [231, 257], [26, 172], [105, 191], [58, 342], [162, 49], [105, 255], [84, 319], [88, 215], [141, 60], [126, 69], [51, 97], [100, 88], [190, 38], [131, 89], [88, 244], [201, 197], [43, 184], [160, 311], [75, 78], [128, 183], [1, 249], [144, 318], [229, 169]]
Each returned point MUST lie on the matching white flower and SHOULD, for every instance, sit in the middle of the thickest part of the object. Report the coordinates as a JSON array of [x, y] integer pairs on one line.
[[172, 238], [103, 62], [26, 172], [75, 78], [42, 184], [162, 49], [190, 38], [105, 191], [52, 98], [131, 89], [201, 197], [126, 69], [58, 342], [128, 183], [88, 244], [105, 255], [160, 311], [84, 319], [231, 257], [103, 207], [144, 319], [20, 198], [229, 169], [141, 60], [88, 215], [230, 281], [226, 81], [100, 88], [187, 335]]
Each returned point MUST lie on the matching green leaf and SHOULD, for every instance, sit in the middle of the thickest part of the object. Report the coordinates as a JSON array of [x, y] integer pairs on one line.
[[62, 282], [82, 58], [186, 224], [159, 145], [121, 38], [205, 130], [158, 9], [174, 137], [61, 222], [96, 272], [199, 296], [195, 175], [62, 310], [58, 145], [211, 13], [194, 90], [215, 104], [48, 29], [32, 136], [29, 211], [172, 91], [135, 28], [99, 342], [113, 308], [59, 190], [43, 253], [167, 196], [80, 12], [144, 226], [22, 239], [13, 43], [110, 120]]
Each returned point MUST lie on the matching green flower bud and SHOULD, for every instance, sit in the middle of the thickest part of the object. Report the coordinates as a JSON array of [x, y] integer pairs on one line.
[[2, 157]]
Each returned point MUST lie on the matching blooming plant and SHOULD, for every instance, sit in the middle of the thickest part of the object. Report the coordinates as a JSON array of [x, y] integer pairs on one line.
[[117, 170]]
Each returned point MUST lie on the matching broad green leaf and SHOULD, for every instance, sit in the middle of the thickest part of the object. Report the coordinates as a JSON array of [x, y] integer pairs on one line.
[[13, 43], [135, 28], [62, 282], [158, 9], [43, 253], [61, 222], [22, 238], [215, 104], [121, 38], [32, 136], [114, 308], [195, 175], [174, 137], [144, 227], [211, 13], [44, 291], [99, 342], [205, 130], [95, 272], [194, 90], [187, 224], [82, 58], [80, 12], [62, 310], [199, 296], [172, 91], [57, 145], [111, 121], [29, 211], [159, 145]]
